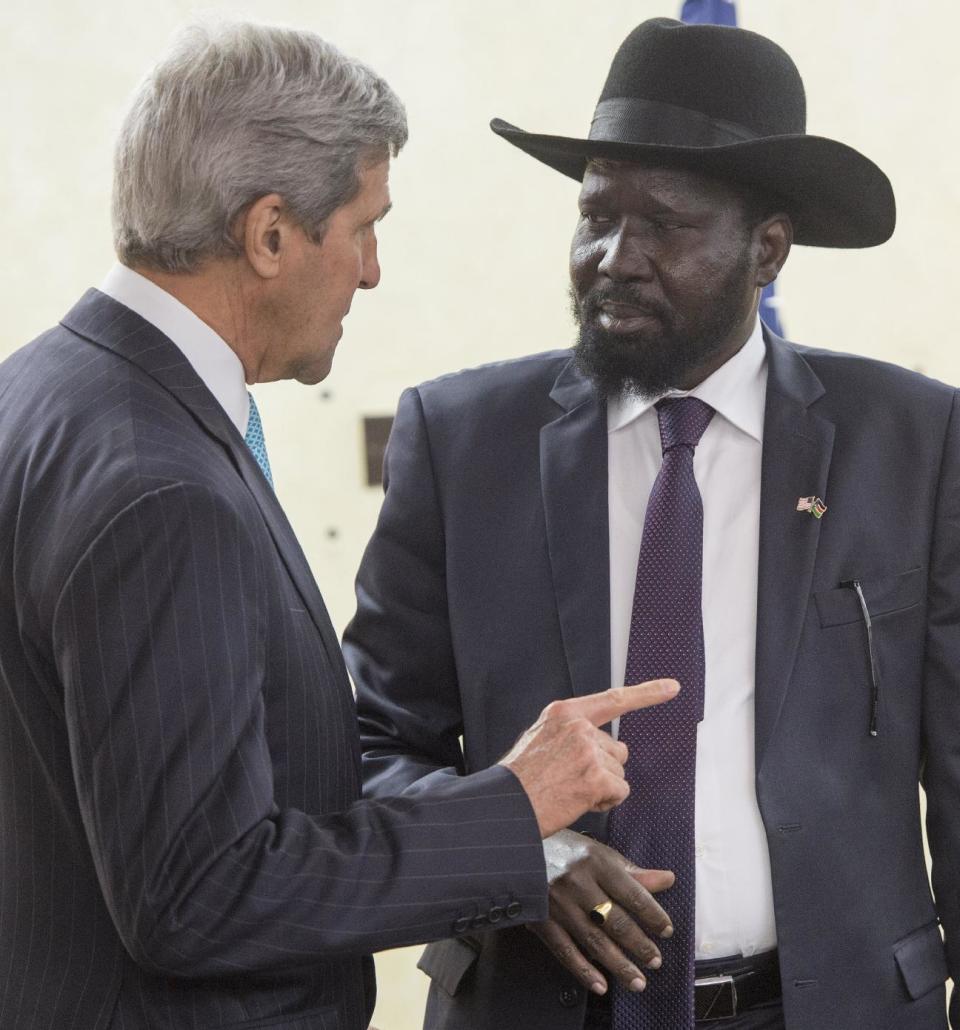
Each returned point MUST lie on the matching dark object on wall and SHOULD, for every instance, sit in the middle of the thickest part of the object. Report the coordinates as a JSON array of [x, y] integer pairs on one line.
[[376, 429]]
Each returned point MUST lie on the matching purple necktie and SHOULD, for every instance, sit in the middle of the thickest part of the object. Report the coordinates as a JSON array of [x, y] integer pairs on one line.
[[654, 827]]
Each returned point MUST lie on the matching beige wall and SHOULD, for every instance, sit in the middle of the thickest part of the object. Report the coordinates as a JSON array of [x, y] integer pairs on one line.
[[474, 253]]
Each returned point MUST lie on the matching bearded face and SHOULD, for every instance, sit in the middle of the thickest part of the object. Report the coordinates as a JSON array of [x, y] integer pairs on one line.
[[664, 279]]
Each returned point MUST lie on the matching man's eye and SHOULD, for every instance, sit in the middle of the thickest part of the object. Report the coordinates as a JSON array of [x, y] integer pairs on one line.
[[594, 217]]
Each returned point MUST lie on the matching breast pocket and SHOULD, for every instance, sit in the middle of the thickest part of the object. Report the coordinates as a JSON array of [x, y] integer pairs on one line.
[[884, 595], [874, 637]]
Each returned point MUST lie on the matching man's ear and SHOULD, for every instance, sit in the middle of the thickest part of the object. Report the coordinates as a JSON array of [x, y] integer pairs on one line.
[[264, 234], [774, 236]]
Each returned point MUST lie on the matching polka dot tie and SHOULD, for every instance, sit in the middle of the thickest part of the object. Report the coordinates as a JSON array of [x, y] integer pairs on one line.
[[654, 827], [255, 440]]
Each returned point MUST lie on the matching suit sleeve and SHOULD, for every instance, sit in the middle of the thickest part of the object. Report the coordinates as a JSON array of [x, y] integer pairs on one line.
[[159, 642], [941, 768], [399, 646]]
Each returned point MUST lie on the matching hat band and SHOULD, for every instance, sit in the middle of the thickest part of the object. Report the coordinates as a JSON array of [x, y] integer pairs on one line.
[[635, 120]]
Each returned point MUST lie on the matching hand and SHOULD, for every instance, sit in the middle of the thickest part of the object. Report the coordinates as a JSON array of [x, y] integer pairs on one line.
[[567, 766], [582, 873]]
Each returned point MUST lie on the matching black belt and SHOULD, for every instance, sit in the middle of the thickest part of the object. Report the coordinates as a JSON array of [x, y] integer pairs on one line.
[[725, 986]]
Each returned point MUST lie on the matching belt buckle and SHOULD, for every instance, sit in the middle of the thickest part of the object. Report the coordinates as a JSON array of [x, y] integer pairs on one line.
[[719, 997]]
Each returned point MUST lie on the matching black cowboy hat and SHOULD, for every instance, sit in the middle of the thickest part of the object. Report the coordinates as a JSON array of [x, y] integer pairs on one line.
[[729, 103]]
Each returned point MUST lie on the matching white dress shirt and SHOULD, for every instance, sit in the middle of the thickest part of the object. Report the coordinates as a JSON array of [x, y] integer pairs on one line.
[[734, 895], [210, 355]]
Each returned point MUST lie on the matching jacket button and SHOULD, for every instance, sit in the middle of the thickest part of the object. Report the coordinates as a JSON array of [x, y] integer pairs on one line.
[[514, 909], [495, 914], [462, 925], [569, 996], [479, 922]]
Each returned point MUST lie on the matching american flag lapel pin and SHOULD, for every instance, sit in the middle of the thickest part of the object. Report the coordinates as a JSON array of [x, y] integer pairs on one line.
[[814, 505]]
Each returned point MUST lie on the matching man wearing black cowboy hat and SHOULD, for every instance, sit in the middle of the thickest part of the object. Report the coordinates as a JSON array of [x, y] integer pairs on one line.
[[689, 495]]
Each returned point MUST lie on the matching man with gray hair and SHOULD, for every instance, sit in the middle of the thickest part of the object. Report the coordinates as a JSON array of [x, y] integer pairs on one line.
[[181, 837]]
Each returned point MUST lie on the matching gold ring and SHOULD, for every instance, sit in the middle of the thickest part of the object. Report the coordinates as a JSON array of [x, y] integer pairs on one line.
[[599, 913]]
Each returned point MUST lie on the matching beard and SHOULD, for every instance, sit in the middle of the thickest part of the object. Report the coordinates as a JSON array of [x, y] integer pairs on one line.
[[651, 361]]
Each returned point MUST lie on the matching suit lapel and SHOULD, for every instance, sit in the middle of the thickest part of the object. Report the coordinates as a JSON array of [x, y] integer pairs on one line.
[[573, 479], [109, 324], [797, 445]]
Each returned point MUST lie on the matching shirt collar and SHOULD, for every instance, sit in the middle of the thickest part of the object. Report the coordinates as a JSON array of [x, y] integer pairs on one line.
[[209, 354], [736, 390]]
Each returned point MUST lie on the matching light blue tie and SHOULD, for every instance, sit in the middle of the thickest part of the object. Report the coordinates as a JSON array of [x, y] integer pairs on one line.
[[255, 441]]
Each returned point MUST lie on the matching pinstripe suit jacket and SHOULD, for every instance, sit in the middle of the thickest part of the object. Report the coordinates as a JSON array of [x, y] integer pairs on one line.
[[181, 843]]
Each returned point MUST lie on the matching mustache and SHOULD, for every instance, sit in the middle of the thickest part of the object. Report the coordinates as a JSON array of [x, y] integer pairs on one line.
[[591, 303]]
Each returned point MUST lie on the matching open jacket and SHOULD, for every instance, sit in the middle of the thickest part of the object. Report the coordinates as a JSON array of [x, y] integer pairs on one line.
[[484, 594]]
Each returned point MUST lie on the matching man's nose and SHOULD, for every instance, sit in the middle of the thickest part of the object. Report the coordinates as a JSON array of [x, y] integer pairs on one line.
[[370, 275], [625, 258]]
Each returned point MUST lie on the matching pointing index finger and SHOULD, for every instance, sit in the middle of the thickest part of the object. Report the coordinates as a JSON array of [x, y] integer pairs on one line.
[[609, 704]]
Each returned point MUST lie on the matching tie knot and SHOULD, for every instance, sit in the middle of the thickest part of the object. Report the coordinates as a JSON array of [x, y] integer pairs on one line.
[[683, 421]]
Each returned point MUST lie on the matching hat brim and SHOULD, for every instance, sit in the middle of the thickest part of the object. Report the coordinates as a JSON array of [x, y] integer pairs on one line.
[[834, 195]]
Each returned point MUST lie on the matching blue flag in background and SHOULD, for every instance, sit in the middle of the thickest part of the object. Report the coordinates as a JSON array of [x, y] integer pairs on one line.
[[724, 12], [709, 12]]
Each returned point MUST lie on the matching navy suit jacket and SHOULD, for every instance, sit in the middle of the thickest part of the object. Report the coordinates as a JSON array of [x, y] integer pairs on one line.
[[181, 841], [484, 594]]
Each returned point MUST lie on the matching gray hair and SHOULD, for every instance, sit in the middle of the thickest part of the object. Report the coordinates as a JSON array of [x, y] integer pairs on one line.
[[234, 112]]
